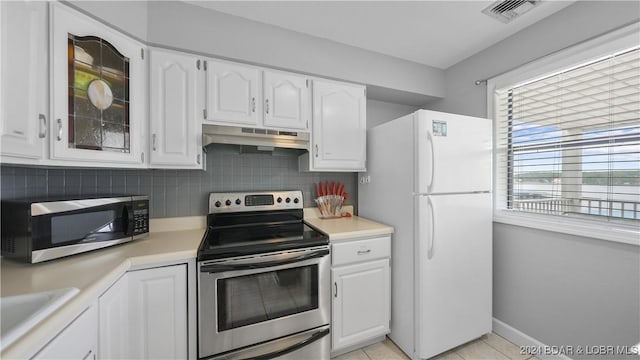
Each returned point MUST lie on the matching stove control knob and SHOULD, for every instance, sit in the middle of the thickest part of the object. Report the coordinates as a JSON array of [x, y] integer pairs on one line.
[[279, 200], [296, 200], [228, 202], [218, 204], [238, 202], [288, 200]]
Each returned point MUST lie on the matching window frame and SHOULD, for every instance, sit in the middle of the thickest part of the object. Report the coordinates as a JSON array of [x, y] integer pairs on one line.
[[590, 50]]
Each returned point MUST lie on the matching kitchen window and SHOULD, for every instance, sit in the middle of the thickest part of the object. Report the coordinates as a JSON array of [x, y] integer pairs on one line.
[[567, 147]]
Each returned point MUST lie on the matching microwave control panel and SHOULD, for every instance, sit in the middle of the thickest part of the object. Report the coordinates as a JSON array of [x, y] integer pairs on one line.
[[141, 217]]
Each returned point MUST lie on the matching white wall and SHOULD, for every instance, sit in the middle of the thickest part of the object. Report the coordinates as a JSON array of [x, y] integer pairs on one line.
[[559, 289]]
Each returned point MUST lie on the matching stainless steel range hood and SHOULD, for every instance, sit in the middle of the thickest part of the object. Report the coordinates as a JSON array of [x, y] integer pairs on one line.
[[255, 137]]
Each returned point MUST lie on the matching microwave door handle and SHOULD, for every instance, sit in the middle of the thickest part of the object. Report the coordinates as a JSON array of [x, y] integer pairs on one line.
[[258, 264], [275, 354], [127, 221]]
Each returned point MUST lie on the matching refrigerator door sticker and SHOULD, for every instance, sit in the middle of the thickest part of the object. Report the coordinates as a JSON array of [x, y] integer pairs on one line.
[[439, 128]]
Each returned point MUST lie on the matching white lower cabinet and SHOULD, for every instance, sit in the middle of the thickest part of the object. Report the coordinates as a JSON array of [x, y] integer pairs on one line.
[[361, 299], [144, 315], [79, 340], [113, 321]]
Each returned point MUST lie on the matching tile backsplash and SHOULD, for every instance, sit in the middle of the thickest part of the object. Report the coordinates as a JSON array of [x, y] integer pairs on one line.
[[176, 192]]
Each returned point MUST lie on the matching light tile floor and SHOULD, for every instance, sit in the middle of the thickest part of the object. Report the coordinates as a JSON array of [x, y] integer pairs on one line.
[[488, 347]]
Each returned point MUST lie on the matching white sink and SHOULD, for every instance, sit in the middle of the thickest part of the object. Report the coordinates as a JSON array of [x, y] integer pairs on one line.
[[22, 312]]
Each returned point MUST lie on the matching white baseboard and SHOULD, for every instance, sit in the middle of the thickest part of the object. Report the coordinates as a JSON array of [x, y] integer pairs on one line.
[[521, 339]]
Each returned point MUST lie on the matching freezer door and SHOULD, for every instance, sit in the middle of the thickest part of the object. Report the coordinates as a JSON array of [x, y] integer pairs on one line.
[[453, 260], [453, 153]]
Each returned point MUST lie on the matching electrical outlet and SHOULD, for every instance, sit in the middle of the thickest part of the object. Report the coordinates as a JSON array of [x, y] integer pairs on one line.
[[366, 179]]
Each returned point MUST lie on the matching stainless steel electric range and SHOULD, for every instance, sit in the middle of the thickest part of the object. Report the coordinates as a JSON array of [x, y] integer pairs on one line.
[[264, 280]]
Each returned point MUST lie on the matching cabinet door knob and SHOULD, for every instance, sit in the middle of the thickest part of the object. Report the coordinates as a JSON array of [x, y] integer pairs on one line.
[[153, 141], [198, 159], [43, 126], [335, 286], [253, 104], [59, 137], [362, 252], [267, 106], [316, 150]]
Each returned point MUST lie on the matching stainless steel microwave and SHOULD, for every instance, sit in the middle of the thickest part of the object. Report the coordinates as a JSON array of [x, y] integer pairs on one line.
[[36, 231]]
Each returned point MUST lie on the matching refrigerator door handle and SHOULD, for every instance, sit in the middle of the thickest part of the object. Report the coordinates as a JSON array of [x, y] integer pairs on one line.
[[433, 159], [433, 228]]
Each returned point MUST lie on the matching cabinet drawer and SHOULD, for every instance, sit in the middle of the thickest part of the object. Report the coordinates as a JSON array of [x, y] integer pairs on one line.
[[361, 250]]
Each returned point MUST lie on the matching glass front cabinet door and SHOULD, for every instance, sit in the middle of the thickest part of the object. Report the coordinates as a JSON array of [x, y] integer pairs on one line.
[[98, 92]]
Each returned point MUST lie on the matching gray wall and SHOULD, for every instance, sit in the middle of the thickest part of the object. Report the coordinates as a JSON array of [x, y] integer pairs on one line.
[[379, 112], [176, 192], [566, 290], [577, 22], [559, 289], [206, 31], [127, 16], [192, 28]]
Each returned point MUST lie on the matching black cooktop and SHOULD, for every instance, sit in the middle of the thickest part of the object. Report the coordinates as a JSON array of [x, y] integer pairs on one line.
[[248, 233]]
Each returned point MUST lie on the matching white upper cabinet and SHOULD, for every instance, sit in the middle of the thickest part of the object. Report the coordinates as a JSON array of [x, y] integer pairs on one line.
[[286, 100], [176, 88], [23, 81], [232, 94], [339, 128], [99, 92]]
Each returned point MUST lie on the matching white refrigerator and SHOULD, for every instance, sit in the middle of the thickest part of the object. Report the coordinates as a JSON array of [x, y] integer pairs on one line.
[[429, 176]]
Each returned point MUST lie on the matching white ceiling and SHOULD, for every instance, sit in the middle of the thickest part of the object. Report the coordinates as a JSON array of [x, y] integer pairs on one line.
[[434, 33]]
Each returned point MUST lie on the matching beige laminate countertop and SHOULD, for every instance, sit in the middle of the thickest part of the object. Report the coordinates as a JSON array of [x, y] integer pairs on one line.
[[347, 228], [92, 273]]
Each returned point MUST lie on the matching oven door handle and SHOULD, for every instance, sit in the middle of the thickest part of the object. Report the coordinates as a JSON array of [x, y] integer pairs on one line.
[[257, 264], [275, 354]]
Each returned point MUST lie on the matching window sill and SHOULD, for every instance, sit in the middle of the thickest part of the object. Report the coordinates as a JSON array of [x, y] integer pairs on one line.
[[621, 233]]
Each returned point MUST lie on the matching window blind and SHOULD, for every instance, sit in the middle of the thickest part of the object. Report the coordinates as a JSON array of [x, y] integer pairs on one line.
[[568, 144]]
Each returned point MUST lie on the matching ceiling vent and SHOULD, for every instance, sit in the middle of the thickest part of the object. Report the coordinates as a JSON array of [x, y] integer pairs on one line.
[[507, 10]]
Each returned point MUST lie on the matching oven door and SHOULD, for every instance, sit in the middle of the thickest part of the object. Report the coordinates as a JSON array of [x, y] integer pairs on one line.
[[248, 300]]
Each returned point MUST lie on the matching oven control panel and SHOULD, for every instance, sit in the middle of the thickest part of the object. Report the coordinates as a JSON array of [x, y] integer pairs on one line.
[[255, 201]]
